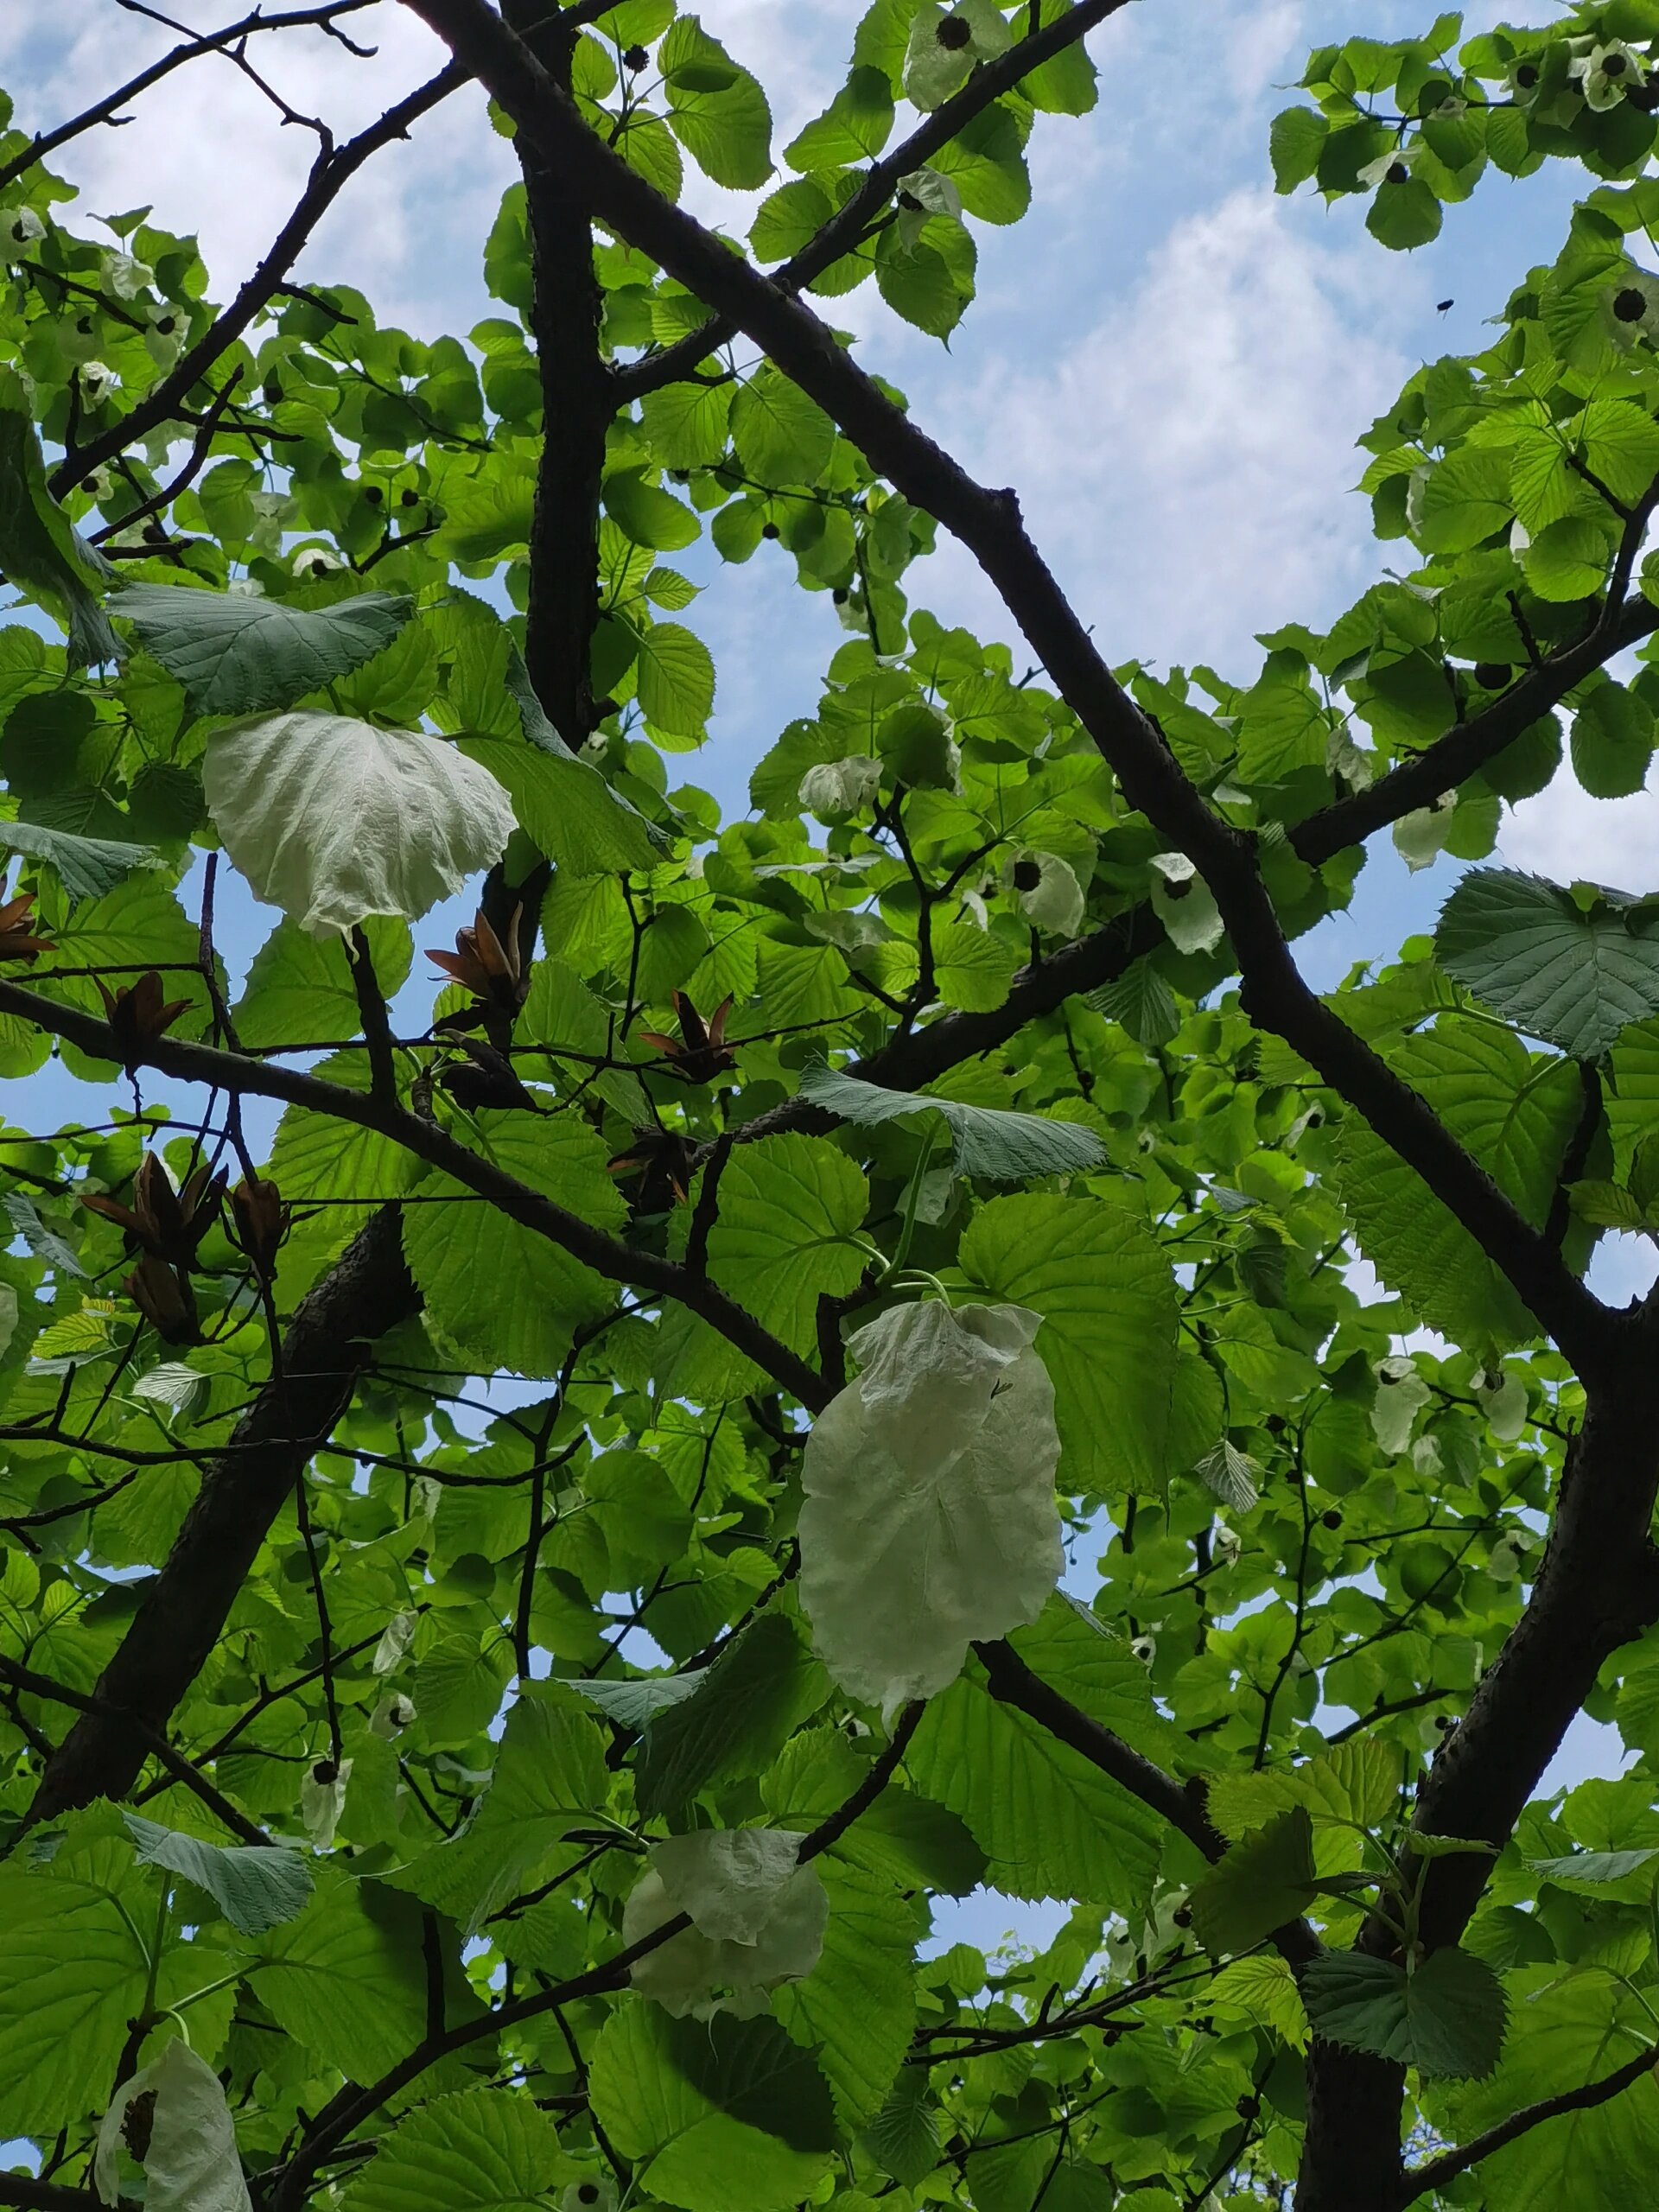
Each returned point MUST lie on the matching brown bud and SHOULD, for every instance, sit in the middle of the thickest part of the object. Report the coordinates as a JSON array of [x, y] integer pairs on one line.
[[262, 1222], [163, 1294], [138, 1014]]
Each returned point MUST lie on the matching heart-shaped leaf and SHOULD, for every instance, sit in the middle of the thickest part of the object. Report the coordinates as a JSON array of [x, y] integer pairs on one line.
[[1571, 973]]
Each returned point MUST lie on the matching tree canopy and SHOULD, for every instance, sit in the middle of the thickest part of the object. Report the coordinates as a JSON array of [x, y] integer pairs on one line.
[[827, 1364]]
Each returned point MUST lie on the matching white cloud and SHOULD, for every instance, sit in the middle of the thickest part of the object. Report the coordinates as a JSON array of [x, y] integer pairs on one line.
[[211, 153], [1183, 463], [1565, 835]]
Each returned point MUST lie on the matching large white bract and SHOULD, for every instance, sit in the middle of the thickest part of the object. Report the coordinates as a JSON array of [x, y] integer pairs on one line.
[[333, 820], [190, 2161], [758, 1919], [929, 1520]]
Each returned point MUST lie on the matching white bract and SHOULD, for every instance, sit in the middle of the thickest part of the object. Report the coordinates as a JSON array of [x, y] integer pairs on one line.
[[929, 1519], [333, 820], [190, 2161], [1056, 900], [1183, 903], [1419, 836], [1400, 1391], [1392, 167], [395, 1640], [921, 195], [946, 44], [1503, 1399], [758, 1919], [835, 790], [1607, 73], [323, 1800]]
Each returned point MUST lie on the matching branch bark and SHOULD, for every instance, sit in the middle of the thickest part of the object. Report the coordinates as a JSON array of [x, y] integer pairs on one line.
[[988, 523], [105, 111], [577, 404], [847, 225], [607, 1255]]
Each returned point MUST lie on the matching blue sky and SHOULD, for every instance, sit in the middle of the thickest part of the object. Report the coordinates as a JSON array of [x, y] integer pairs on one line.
[[1168, 363]]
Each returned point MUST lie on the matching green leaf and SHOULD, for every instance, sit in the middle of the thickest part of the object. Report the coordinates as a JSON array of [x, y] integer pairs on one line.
[[716, 111], [475, 2150], [675, 680], [568, 809], [1404, 216], [735, 1718], [1141, 1001], [789, 1209], [904, 2136], [1446, 2018], [1580, 2027], [1612, 742], [1108, 1300], [781, 436], [649, 514], [1294, 144], [856, 2012], [1262, 1882], [496, 1287], [347, 1979], [1516, 1119], [255, 1888], [714, 2113], [300, 989], [235, 654], [39, 550], [1002, 1147], [1595, 1867], [1539, 958], [88, 868], [74, 1974], [855, 126], [1052, 1824], [549, 1776]]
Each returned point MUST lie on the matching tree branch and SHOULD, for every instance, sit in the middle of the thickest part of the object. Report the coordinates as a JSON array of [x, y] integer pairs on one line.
[[607, 1255], [1420, 2181], [330, 173], [988, 523], [845, 228], [577, 406], [105, 111]]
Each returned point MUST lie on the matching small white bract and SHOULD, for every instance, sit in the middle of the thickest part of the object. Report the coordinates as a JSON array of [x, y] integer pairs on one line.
[[758, 1919], [929, 1519], [333, 820], [190, 2160]]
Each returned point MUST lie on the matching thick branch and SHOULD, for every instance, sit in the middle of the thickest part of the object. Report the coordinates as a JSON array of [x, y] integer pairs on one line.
[[329, 176], [1010, 1680], [990, 524], [879, 181], [577, 404], [186, 1606], [1420, 2181], [607, 1255]]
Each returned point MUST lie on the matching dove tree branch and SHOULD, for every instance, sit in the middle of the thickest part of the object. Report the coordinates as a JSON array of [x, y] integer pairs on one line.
[[848, 225], [990, 524]]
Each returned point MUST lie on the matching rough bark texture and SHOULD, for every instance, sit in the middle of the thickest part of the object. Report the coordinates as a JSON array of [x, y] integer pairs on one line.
[[366, 1292], [577, 409]]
